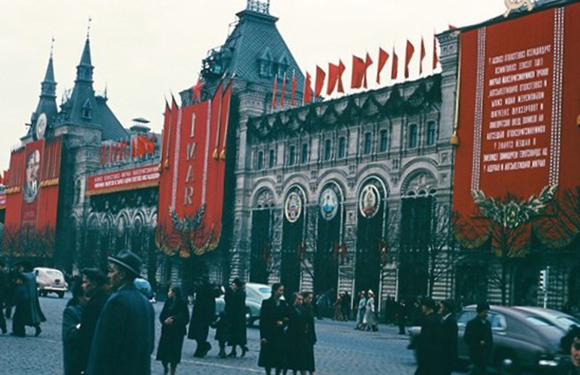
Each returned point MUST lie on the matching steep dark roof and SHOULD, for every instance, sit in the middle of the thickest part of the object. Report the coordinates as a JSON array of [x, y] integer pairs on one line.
[[111, 127], [47, 101]]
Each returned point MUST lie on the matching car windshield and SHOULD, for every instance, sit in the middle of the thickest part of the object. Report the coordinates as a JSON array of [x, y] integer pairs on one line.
[[53, 273], [537, 321], [265, 290], [569, 321]]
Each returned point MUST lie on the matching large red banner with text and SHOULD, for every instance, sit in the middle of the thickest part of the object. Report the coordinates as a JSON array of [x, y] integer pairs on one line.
[[193, 171], [32, 198], [128, 179], [519, 99]]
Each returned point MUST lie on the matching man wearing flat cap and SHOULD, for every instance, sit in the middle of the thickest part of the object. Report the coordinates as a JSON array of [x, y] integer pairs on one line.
[[428, 346], [125, 333]]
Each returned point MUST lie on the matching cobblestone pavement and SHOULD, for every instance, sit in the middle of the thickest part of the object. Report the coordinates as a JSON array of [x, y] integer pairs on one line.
[[340, 350]]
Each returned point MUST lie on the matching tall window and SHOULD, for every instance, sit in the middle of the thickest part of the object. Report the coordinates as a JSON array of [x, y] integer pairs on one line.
[[431, 129], [260, 161], [304, 156], [367, 147], [271, 159], [327, 149], [383, 140], [341, 147], [413, 136], [292, 156]]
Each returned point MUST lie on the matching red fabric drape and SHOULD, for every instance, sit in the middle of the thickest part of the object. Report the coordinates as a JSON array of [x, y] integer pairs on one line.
[[409, 51], [320, 77], [383, 58]]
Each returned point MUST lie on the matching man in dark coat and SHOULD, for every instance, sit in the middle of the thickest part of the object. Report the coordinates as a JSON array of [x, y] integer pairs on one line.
[[3, 296], [28, 312], [479, 339], [235, 299], [448, 337], [272, 322], [401, 316], [429, 344], [202, 316], [125, 333], [296, 335], [93, 283]]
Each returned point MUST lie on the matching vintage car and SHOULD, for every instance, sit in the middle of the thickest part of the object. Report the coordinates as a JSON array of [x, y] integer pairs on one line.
[[49, 280]]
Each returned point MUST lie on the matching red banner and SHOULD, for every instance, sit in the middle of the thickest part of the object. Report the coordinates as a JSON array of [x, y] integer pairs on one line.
[[519, 100], [128, 179], [194, 167]]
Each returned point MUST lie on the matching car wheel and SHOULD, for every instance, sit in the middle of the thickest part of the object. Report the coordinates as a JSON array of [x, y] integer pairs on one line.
[[60, 294]]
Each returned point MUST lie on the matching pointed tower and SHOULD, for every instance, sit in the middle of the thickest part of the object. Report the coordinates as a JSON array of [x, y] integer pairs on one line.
[[45, 114]]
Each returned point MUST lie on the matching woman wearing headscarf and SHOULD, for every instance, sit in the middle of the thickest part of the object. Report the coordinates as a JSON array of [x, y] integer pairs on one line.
[[370, 320], [174, 318]]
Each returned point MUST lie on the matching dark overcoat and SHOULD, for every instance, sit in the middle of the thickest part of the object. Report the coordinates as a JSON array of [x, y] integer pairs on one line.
[[89, 320], [203, 313], [429, 346], [172, 335], [310, 338], [477, 331], [448, 345], [296, 339], [36, 316], [272, 353], [125, 335], [71, 317], [236, 315]]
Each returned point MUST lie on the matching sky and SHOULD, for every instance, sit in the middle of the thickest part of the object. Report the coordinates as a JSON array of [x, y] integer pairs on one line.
[[145, 50]]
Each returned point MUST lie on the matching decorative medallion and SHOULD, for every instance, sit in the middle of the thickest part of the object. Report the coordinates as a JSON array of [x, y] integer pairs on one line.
[[32, 170], [293, 207], [328, 204], [40, 127], [369, 201]]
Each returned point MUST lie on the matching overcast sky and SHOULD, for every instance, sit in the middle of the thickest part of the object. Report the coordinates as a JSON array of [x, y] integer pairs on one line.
[[144, 50]]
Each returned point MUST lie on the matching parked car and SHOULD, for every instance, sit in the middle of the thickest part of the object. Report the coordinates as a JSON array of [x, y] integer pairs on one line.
[[556, 318], [50, 280], [255, 294], [145, 287], [520, 337]]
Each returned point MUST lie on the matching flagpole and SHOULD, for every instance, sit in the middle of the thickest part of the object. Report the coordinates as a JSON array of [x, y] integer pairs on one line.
[[219, 120]]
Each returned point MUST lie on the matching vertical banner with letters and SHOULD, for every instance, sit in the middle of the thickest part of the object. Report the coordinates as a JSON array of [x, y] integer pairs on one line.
[[193, 168], [519, 98]]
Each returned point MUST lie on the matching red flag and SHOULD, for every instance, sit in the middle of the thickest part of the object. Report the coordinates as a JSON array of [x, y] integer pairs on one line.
[[368, 62], [395, 68], [274, 89], [320, 76], [306, 98], [422, 56], [332, 78], [383, 58], [451, 27], [408, 56], [435, 57], [341, 69], [293, 89], [358, 72], [283, 93], [196, 91]]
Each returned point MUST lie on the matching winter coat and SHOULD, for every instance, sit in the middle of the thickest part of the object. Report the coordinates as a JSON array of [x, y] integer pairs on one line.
[[236, 314], [125, 335], [477, 331], [172, 335], [203, 313], [272, 353], [71, 317], [429, 346], [448, 344], [296, 339]]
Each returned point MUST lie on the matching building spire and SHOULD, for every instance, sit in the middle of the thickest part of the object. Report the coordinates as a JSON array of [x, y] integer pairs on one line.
[[48, 85], [85, 67]]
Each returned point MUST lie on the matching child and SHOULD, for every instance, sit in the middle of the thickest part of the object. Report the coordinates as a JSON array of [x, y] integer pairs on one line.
[[221, 333]]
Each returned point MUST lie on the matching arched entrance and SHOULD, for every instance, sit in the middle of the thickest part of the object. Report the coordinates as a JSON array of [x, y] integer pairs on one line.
[[371, 234], [293, 235], [329, 238], [261, 237]]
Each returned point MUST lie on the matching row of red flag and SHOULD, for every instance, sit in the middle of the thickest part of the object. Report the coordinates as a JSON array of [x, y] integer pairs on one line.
[[359, 77], [136, 147]]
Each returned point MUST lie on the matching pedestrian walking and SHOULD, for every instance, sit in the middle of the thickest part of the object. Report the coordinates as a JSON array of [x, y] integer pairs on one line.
[[309, 362], [361, 309], [370, 320], [272, 323], [449, 343], [125, 334], [93, 282], [71, 321], [429, 341], [222, 333], [202, 316], [174, 318], [345, 305], [236, 314], [296, 336], [3, 296], [479, 339], [338, 308], [9, 301], [570, 344], [401, 316], [27, 312]]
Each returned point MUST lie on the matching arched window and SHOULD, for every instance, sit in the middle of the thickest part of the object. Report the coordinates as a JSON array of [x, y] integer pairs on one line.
[[368, 143], [260, 161], [383, 140], [431, 133], [327, 149], [342, 147], [304, 156], [292, 156], [271, 159], [413, 136]]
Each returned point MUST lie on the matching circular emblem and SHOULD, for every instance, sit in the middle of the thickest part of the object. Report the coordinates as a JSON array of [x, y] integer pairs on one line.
[[293, 207], [40, 128], [32, 170], [328, 204], [369, 201]]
